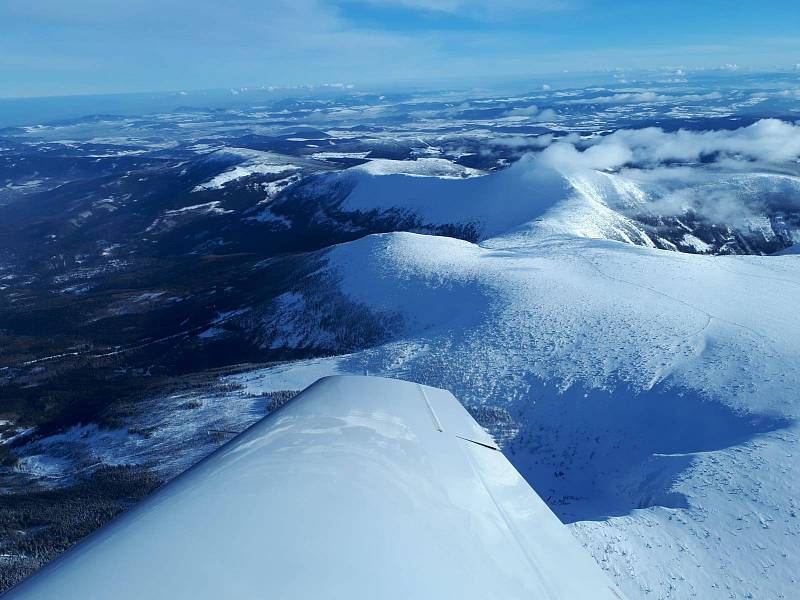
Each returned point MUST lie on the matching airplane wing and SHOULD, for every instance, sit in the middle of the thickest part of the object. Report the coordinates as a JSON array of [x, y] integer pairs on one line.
[[360, 487]]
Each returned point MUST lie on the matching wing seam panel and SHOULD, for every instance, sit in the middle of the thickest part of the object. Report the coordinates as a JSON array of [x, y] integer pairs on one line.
[[436, 423], [544, 583]]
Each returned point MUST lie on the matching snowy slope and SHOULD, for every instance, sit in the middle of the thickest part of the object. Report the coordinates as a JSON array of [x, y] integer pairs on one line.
[[726, 209], [650, 394], [495, 203], [421, 167], [251, 162]]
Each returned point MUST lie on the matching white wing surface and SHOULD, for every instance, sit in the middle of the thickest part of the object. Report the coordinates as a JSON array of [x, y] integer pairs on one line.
[[359, 488]]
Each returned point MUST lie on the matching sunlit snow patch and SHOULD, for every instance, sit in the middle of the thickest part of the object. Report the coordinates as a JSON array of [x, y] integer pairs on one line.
[[421, 167], [255, 163]]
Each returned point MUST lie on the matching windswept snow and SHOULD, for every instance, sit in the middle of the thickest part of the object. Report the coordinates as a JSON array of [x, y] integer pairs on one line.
[[421, 167], [254, 162], [294, 376], [326, 155], [242, 171], [696, 243], [207, 208], [170, 219], [80, 448]]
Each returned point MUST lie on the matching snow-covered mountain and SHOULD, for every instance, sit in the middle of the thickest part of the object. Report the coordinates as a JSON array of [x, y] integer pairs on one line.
[[651, 393], [706, 211], [647, 394]]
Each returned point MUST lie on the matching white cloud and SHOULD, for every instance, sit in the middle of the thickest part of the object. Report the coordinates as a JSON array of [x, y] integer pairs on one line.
[[767, 141], [564, 157], [520, 141], [534, 113], [733, 192], [646, 97]]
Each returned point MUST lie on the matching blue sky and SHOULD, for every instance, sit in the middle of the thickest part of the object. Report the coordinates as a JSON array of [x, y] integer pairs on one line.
[[54, 47]]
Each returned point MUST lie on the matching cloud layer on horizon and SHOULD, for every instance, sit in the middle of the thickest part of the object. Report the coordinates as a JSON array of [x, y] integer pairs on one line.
[[767, 140], [725, 176]]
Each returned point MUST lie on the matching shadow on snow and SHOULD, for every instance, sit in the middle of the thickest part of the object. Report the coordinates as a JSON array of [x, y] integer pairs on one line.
[[593, 455]]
